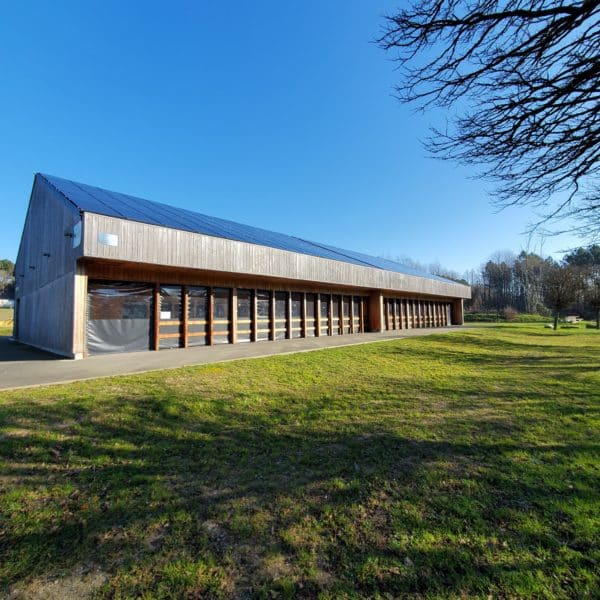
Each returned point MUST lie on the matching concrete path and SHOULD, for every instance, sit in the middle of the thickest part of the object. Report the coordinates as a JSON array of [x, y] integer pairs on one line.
[[23, 366]]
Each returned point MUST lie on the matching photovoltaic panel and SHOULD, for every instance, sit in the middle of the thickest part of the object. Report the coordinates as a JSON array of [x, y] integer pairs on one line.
[[97, 200]]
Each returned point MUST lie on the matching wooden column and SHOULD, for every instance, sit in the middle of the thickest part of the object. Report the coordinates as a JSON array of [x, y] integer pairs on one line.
[[272, 336], [289, 316], [318, 315], [184, 316], [330, 319], [341, 316], [156, 323], [401, 316], [352, 315], [79, 348], [233, 319], [376, 318], [254, 317], [210, 311], [361, 317]]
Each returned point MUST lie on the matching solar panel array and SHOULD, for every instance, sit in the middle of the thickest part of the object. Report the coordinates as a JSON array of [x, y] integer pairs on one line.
[[88, 198]]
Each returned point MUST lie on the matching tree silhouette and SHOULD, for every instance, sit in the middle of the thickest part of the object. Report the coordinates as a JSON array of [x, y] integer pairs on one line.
[[528, 72]]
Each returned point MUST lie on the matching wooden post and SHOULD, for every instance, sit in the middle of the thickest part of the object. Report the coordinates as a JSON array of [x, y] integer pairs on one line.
[[209, 317], [80, 297], [272, 336], [376, 316], [318, 315], [233, 318], [289, 316], [361, 315], [352, 315], [330, 315], [401, 315], [156, 315], [184, 320]]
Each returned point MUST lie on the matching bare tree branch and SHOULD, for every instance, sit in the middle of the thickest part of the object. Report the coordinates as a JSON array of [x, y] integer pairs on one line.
[[529, 71]]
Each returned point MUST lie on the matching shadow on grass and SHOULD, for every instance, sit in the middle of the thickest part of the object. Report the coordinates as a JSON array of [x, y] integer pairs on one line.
[[444, 487], [355, 503]]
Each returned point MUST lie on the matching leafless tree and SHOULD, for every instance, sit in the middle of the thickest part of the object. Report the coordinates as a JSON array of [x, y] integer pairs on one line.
[[561, 285], [524, 78], [592, 298]]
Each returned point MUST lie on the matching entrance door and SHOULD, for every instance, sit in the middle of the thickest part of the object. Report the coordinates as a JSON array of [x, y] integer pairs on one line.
[[119, 316]]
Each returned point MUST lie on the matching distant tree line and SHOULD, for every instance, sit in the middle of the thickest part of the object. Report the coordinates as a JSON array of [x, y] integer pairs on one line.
[[7, 279], [529, 283]]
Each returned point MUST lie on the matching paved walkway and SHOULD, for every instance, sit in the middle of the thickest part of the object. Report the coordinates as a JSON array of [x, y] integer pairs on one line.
[[23, 366]]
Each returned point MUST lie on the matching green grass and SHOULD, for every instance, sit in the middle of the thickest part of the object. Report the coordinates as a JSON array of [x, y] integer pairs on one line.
[[495, 317], [6, 315], [450, 466]]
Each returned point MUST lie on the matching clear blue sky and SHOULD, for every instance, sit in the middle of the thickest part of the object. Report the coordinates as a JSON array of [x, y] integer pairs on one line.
[[275, 114]]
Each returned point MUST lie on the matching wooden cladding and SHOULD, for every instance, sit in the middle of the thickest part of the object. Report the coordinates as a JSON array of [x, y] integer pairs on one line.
[[409, 313], [195, 315]]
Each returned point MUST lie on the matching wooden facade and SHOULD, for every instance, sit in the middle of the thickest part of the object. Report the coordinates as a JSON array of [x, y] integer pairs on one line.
[[270, 293]]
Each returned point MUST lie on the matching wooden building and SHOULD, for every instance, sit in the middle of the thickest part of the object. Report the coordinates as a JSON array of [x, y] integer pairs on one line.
[[98, 271]]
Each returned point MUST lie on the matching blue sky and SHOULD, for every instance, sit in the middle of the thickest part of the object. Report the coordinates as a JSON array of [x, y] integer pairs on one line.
[[275, 114]]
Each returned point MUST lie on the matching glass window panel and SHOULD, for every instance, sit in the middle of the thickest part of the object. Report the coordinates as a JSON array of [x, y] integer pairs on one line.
[[356, 315], [335, 315], [263, 311], [170, 303], [244, 311], [119, 300], [197, 316], [347, 316], [296, 315], [120, 316], [281, 310], [221, 315], [170, 311], [325, 307]]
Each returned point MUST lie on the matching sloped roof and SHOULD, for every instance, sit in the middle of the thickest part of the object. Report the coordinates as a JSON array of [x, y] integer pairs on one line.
[[88, 198]]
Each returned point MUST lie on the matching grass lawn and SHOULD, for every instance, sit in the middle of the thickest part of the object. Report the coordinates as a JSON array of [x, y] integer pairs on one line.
[[6, 314], [449, 466]]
